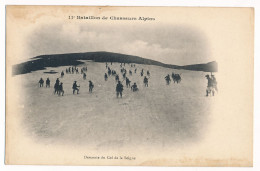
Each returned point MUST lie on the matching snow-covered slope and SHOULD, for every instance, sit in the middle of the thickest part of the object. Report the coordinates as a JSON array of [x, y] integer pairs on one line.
[[157, 115]]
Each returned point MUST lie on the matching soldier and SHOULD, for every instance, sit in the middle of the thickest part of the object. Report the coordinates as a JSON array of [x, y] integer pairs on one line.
[[62, 74], [61, 91], [148, 73], [41, 82], [142, 72], [84, 75], [105, 76], [124, 75], [145, 81], [135, 70], [134, 87], [214, 82], [48, 82], [168, 79], [119, 89], [130, 72], [127, 82], [117, 78], [75, 87], [56, 86], [91, 86]]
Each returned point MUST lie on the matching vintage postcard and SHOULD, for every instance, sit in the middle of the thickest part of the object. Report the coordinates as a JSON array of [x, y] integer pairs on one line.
[[129, 86]]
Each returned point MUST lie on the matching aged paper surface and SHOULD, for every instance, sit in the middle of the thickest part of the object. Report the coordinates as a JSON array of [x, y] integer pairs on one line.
[[192, 121]]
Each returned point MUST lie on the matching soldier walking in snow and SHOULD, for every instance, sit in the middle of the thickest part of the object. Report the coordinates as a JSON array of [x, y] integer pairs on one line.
[[91, 86], [134, 87], [56, 86], [48, 82], [105, 76], [145, 81], [117, 78], [127, 82], [75, 87], [41, 82], [62, 74], [84, 75], [60, 90], [168, 79], [119, 89]]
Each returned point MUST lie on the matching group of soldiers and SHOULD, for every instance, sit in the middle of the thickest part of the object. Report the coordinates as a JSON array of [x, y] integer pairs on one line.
[[58, 86], [175, 78], [119, 85]]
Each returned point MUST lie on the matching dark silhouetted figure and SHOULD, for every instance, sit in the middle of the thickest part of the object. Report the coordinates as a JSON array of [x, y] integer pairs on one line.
[[84, 76], [134, 87], [145, 81], [130, 72], [56, 86], [105, 76], [41, 82], [48, 82], [168, 79], [117, 78], [127, 82], [60, 90], [148, 73], [135, 70], [75, 87], [124, 75], [91, 86], [62, 74], [119, 89]]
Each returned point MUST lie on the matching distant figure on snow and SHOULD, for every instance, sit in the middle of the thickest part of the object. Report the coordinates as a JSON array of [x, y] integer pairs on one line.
[[48, 82], [127, 82], [41, 82], [210, 87], [119, 89], [62, 74], [91, 86], [168, 79], [61, 91], [117, 78], [105, 76], [134, 87], [145, 81], [56, 86], [148, 73], [84, 76], [75, 87]]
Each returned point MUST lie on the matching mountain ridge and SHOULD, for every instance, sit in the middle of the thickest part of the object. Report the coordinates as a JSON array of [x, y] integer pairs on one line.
[[54, 60]]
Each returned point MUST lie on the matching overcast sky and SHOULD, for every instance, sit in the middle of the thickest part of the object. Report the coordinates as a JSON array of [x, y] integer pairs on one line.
[[172, 44]]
